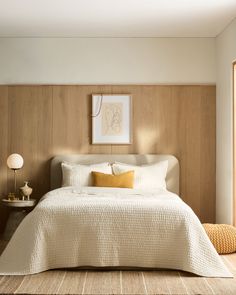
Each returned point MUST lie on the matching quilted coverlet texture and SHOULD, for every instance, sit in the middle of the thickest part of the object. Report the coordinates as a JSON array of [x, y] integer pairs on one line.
[[72, 227]]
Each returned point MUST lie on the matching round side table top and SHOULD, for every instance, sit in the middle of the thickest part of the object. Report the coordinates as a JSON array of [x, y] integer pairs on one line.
[[19, 203]]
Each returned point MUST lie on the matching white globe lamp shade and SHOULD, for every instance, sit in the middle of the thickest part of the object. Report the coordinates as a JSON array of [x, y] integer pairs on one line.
[[15, 161]]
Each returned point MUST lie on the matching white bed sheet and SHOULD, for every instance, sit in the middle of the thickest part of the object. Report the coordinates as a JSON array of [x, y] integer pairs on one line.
[[73, 227]]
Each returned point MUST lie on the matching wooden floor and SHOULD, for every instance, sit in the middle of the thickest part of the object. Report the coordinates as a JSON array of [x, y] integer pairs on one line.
[[119, 282]]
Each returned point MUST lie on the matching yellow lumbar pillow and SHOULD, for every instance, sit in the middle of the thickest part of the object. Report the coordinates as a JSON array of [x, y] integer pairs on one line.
[[123, 180], [222, 236]]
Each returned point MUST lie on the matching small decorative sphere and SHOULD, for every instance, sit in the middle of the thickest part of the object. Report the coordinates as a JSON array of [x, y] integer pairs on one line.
[[15, 161]]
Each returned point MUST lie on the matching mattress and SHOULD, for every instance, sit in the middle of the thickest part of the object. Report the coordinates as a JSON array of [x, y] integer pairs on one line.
[[111, 227]]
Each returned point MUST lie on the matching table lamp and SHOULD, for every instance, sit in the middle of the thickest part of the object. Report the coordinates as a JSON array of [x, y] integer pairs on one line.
[[15, 162]]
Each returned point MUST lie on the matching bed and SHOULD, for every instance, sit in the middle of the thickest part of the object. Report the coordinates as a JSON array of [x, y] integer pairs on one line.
[[112, 227]]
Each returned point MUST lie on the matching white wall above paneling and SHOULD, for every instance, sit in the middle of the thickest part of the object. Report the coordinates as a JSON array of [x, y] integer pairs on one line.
[[107, 60]]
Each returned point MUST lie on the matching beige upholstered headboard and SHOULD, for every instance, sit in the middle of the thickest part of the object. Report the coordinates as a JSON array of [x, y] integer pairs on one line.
[[172, 179]]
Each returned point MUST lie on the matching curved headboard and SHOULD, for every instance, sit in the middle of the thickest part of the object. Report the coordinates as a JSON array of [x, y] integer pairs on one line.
[[172, 178]]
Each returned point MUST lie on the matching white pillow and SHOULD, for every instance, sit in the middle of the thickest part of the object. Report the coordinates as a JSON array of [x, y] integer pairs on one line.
[[146, 176], [80, 175]]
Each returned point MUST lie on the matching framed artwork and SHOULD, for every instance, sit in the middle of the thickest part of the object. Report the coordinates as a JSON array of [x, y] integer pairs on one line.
[[111, 118]]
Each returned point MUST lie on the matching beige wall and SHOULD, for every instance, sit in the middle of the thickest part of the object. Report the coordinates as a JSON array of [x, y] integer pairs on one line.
[[107, 60], [226, 54]]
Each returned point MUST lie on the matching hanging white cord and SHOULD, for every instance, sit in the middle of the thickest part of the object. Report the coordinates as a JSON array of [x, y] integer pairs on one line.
[[99, 109]]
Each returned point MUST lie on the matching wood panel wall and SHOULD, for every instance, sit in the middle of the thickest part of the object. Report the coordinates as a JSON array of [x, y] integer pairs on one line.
[[40, 122]]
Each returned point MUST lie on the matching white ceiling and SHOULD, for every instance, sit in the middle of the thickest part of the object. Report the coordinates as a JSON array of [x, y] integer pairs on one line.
[[115, 18]]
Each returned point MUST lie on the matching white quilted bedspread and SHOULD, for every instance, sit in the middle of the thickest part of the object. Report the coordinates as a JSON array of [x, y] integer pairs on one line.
[[111, 227]]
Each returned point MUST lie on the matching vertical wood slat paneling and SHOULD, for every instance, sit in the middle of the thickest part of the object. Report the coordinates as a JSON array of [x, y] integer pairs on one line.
[[189, 133], [208, 153], [3, 150], [30, 134], [68, 118], [42, 121]]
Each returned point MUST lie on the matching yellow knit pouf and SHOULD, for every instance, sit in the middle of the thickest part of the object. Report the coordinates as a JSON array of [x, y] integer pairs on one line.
[[222, 236]]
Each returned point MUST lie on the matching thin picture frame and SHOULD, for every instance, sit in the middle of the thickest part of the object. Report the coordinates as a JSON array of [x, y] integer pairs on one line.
[[106, 107]]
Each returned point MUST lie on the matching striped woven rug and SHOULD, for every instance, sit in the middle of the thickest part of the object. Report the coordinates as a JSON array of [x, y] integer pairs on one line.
[[120, 282]]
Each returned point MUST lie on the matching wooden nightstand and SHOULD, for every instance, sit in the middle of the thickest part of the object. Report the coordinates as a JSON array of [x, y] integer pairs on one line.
[[18, 210]]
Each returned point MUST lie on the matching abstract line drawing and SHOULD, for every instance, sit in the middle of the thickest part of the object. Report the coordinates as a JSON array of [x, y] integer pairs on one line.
[[112, 118]]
